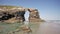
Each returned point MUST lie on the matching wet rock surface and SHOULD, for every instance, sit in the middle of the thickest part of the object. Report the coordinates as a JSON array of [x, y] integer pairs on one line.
[[24, 29]]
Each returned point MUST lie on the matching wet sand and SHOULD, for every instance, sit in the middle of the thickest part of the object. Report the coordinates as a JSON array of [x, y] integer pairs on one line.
[[52, 27]]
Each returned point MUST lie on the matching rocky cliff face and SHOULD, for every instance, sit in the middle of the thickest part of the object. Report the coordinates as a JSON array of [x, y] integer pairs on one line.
[[12, 15], [16, 14], [34, 15]]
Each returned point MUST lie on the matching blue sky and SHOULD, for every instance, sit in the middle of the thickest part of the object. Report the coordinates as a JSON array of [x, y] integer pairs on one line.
[[48, 9]]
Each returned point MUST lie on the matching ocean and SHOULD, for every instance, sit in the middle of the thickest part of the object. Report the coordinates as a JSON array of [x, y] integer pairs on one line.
[[48, 27]]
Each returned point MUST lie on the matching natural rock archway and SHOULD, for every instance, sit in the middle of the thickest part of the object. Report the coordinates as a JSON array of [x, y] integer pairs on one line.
[[17, 15]]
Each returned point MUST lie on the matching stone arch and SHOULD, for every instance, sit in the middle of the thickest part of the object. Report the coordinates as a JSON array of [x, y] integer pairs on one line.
[[18, 14]]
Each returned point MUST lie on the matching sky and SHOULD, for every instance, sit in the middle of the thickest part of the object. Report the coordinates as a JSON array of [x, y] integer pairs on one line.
[[48, 9]]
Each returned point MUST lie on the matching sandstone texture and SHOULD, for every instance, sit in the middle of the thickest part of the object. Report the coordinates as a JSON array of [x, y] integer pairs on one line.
[[11, 14], [34, 15]]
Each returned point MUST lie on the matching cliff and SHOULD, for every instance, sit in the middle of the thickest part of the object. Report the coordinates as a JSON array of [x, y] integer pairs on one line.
[[12, 14]]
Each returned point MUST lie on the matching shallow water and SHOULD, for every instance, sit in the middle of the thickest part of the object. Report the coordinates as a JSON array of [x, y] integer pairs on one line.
[[48, 27], [4, 28]]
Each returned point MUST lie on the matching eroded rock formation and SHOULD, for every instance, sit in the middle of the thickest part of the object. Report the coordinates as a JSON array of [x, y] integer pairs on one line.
[[12, 15], [34, 15], [17, 15]]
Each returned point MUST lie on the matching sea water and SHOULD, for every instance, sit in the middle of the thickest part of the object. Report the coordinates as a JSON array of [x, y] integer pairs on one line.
[[48, 27]]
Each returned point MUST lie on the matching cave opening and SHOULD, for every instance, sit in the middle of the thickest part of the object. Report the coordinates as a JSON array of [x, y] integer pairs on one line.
[[6, 16]]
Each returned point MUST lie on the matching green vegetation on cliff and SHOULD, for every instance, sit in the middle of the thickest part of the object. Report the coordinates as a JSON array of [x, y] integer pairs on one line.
[[9, 7]]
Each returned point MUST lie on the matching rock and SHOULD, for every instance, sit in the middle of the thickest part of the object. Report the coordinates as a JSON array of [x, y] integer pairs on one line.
[[10, 32], [23, 28], [26, 29], [11, 16], [16, 14], [34, 15]]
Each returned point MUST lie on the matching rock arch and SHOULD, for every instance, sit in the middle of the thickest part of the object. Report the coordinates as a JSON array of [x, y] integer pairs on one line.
[[17, 15]]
